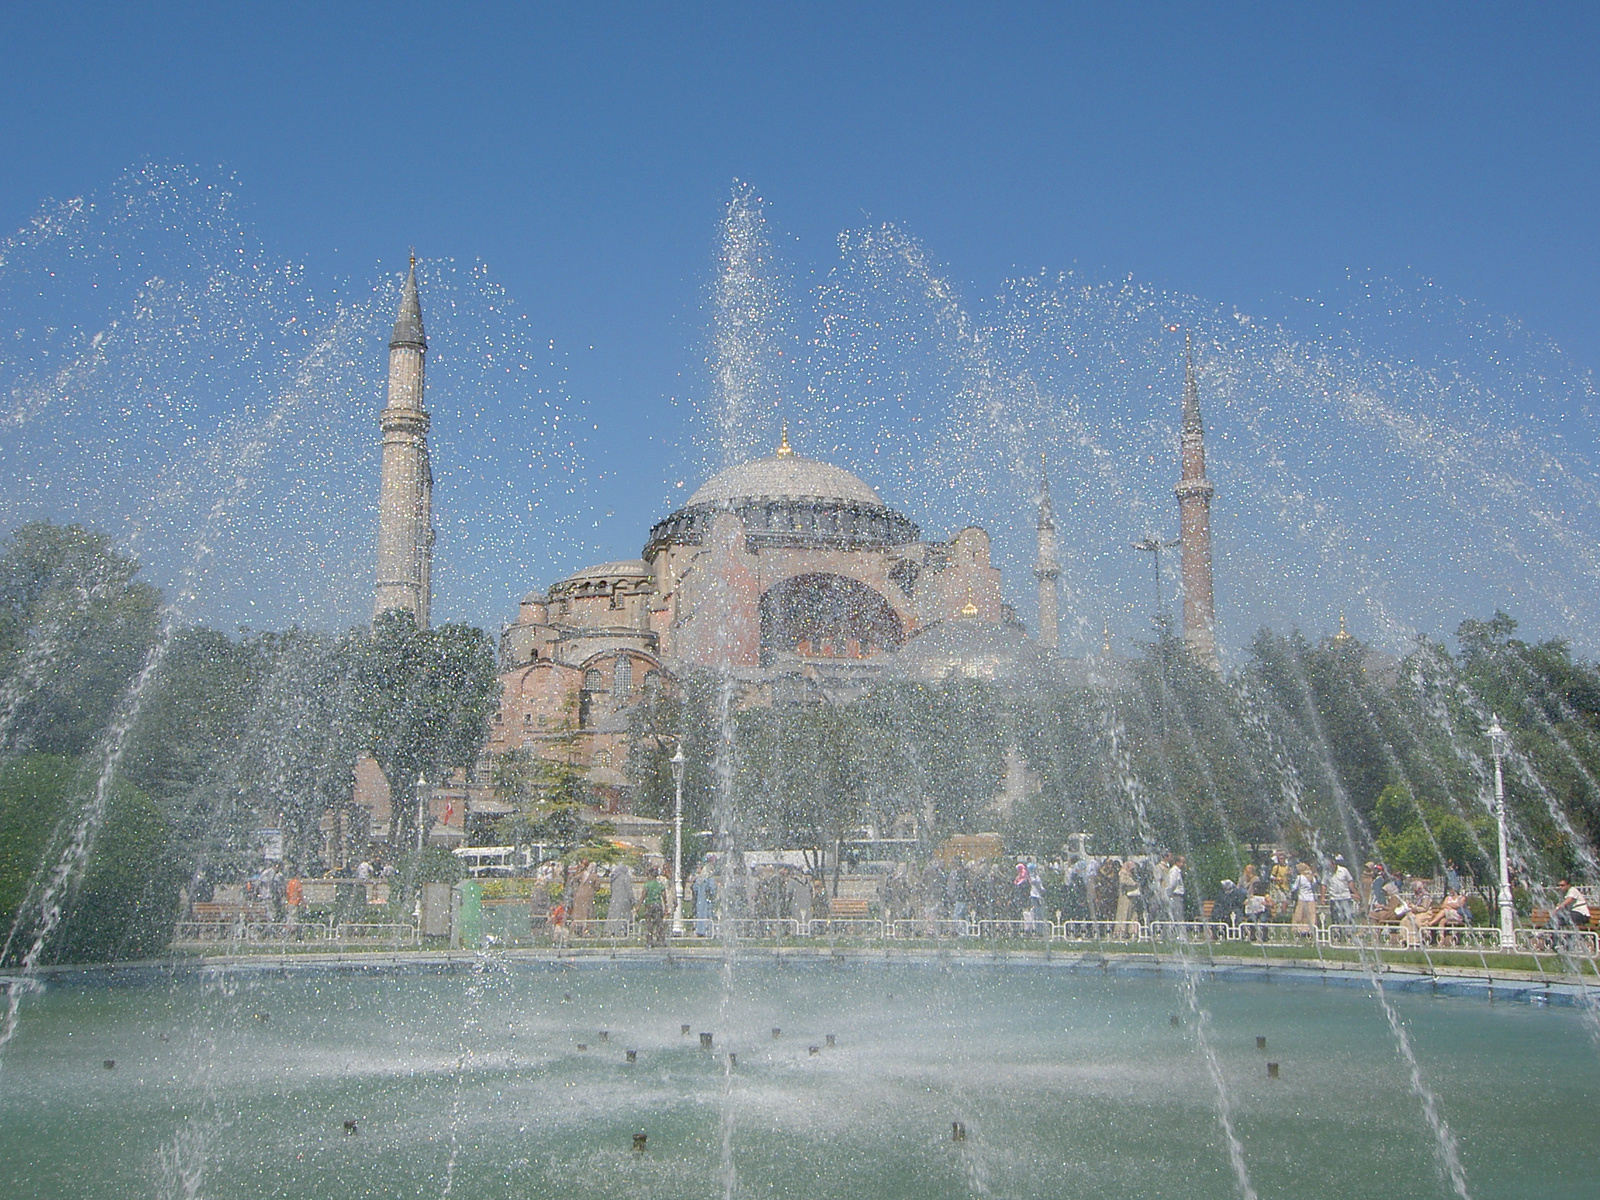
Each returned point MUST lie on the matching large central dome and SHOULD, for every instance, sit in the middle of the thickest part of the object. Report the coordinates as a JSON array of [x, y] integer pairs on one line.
[[784, 477]]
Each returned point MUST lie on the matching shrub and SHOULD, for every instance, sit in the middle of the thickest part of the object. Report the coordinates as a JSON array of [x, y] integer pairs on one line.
[[126, 900]]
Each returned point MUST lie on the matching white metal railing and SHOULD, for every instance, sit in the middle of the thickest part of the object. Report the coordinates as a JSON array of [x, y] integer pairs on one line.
[[991, 928], [930, 927], [1581, 943], [1556, 941], [291, 933], [759, 927], [248, 932], [870, 927], [397, 933]]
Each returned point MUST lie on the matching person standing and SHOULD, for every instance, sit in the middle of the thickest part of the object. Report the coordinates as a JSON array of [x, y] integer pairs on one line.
[[583, 901], [619, 916], [1255, 909], [1305, 901], [1105, 892], [1341, 895], [1126, 927], [1278, 889], [955, 892], [1035, 911], [705, 893], [655, 909], [1177, 890], [1452, 876]]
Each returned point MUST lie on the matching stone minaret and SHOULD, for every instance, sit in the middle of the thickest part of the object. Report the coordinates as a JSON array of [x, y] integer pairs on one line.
[[1194, 507], [405, 502], [1046, 570]]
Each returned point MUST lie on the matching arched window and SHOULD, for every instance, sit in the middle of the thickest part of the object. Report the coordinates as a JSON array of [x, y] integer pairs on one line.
[[622, 677], [820, 613], [591, 679]]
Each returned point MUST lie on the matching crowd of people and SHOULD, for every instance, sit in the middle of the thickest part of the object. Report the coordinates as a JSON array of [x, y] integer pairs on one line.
[[1125, 892], [1118, 895], [592, 898]]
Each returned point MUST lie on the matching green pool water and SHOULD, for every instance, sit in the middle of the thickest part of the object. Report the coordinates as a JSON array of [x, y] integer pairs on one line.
[[472, 1084]]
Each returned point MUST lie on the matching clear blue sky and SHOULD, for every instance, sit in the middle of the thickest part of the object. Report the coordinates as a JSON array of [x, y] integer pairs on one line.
[[1246, 153], [1236, 151]]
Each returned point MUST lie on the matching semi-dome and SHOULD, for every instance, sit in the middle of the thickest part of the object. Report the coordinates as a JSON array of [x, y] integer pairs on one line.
[[785, 477]]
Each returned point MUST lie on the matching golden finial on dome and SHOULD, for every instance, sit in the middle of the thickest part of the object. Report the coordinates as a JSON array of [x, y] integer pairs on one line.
[[969, 609], [784, 449], [1344, 634], [1105, 637]]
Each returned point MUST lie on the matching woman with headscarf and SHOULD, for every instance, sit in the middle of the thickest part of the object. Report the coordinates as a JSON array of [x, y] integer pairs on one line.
[[705, 896], [1126, 928], [619, 916], [583, 902]]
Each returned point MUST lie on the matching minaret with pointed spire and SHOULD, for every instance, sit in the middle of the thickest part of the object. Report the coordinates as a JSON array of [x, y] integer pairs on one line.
[[1047, 570], [1194, 493], [405, 501]]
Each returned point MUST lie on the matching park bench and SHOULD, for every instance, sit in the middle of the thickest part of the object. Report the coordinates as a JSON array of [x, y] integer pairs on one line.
[[843, 909], [1540, 919]]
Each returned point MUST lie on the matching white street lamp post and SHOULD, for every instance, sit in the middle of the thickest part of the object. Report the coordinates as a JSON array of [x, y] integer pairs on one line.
[[422, 806], [678, 762], [1499, 746]]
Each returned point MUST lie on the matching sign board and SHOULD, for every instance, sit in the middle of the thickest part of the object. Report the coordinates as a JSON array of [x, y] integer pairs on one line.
[[271, 843]]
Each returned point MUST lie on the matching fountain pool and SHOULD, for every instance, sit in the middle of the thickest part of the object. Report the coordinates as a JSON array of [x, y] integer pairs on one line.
[[511, 1079]]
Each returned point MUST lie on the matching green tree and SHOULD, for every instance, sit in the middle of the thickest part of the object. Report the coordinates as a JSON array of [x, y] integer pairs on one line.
[[422, 701], [75, 627]]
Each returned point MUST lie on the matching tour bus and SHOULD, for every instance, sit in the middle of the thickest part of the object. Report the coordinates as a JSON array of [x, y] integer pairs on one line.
[[504, 860], [488, 860]]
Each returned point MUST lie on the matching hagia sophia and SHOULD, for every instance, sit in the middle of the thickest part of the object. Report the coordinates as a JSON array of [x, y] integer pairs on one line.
[[785, 573]]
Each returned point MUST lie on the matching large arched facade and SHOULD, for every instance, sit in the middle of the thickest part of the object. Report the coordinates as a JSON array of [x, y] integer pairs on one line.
[[825, 615]]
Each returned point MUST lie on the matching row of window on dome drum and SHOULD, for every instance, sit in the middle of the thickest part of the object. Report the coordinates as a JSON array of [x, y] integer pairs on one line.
[[688, 528]]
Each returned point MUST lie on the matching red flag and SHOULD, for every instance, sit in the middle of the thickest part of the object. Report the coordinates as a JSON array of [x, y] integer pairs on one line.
[[449, 811]]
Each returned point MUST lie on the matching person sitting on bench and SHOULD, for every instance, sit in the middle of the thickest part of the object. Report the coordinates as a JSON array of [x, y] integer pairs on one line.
[[1573, 911]]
